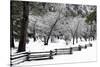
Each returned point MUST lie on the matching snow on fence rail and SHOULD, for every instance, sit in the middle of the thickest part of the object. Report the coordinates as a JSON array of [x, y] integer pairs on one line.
[[28, 56], [39, 55], [86, 45], [63, 51], [70, 50], [18, 58]]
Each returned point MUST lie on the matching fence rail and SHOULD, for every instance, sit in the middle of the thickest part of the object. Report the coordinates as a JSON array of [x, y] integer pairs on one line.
[[29, 56], [39, 55], [18, 58], [63, 51]]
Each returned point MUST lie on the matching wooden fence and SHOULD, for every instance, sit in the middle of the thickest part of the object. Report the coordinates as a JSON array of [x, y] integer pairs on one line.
[[18, 58], [63, 51], [39, 55], [29, 56]]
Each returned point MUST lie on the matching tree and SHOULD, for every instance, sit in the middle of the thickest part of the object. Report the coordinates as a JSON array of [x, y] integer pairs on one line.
[[16, 16], [73, 27], [32, 28], [11, 30], [37, 10], [45, 23], [34, 31], [46, 43], [58, 18], [91, 17], [21, 11], [91, 20], [68, 11], [24, 25]]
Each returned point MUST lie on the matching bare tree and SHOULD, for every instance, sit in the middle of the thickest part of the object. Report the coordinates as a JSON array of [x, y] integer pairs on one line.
[[53, 25], [46, 43], [73, 29]]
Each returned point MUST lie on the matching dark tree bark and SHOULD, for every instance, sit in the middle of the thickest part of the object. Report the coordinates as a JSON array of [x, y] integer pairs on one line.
[[80, 38], [73, 39], [52, 39], [11, 36], [34, 32], [74, 34], [34, 35], [46, 43], [76, 38], [52, 27], [44, 40], [24, 25], [11, 30]]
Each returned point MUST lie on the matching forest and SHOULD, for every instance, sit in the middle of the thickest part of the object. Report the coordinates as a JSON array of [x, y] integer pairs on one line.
[[48, 22]]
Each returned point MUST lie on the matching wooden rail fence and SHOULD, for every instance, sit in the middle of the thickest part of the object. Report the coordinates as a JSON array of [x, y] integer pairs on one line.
[[18, 58], [29, 56]]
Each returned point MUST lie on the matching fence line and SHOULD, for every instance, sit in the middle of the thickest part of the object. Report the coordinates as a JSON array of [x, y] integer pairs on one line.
[[18, 58], [28, 56], [40, 55]]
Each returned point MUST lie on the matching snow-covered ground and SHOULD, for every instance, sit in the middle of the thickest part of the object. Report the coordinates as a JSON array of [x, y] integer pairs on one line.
[[85, 55], [39, 45]]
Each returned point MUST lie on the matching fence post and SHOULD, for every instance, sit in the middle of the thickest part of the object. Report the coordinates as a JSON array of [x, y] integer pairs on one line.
[[51, 55], [71, 50], [85, 46], [79, 47], [27, 56], [11, 61], [11, 64], [55, 51]]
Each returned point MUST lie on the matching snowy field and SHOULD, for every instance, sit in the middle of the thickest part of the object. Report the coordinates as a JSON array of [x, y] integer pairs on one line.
[[85, 55], [39, 45]]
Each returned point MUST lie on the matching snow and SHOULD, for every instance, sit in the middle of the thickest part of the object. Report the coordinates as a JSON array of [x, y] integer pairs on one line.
[[85, 55], [59, 43], [39, 46]]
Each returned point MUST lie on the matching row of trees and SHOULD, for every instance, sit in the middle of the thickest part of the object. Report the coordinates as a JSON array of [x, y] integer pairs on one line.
[[31, 19]]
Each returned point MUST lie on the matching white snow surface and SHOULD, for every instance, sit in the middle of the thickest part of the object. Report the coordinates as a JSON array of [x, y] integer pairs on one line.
[[85, 55], [39, 45]]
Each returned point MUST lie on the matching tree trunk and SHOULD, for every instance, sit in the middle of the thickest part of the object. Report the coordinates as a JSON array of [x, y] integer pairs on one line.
[[85, 38], [91, 33], [81, 39], [11, 36], [76, 38], [45, 41], [52, 39], [93, 37], [50, 33], [51, 30], [24, 25], [73, 40], [11, 30], [34, 35], [34, 32]]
